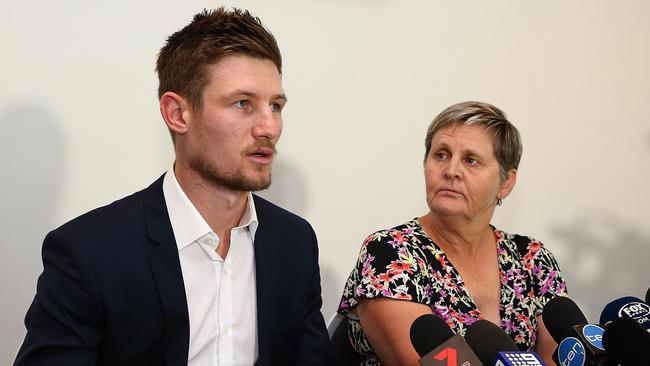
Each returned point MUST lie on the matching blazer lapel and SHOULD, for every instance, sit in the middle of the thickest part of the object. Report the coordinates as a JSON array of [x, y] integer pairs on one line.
[[264, 283], [166, 269]]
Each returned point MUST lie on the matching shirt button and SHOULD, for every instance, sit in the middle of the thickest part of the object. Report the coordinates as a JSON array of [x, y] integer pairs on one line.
[[226, 329], [226, 272], [210, 241]]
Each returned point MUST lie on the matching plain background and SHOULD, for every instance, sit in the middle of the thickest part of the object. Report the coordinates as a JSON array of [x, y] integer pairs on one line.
[[81, 128]]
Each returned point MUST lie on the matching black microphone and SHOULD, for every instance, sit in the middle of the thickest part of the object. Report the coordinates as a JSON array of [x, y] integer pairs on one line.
[[579, 343], [493, 346], [647, 296], [627, 343], [627, 307], [437, 345], [428, 332]]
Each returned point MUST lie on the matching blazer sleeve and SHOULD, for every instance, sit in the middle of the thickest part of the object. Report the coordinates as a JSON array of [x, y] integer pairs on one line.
[[314, 346], [64, 322]]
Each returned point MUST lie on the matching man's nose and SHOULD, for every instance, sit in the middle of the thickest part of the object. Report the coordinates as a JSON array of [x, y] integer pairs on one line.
[[268, 124]]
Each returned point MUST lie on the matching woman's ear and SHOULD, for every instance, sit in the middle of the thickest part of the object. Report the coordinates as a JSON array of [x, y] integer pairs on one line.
[[508, 184], [175, 111]]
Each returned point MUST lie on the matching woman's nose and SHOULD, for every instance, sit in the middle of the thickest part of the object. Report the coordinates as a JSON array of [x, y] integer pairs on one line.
[[453, 170]]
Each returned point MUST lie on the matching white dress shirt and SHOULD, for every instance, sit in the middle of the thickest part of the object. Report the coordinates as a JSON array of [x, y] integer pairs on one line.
[[221, 293]]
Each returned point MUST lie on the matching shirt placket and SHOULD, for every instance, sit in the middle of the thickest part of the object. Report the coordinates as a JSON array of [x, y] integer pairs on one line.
[[225, 314]]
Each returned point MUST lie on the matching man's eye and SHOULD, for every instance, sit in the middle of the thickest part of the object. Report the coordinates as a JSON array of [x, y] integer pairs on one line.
[[241, 104], [471, 161], [440, 156]]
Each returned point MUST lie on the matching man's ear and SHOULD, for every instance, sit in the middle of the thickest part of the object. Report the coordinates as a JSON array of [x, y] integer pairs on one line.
[[508, 184], [175, 110]]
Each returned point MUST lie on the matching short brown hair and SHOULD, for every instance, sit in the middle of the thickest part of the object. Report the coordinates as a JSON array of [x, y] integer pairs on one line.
[[183, 61], [505, 136]]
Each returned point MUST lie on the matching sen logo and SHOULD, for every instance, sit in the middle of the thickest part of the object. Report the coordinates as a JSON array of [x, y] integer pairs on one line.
[[594, 335], [571, 352]]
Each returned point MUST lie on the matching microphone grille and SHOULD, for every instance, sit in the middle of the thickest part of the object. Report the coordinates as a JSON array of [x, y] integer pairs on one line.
[[611, 310], [428, 332], [560, 314], [487, 339], [626, 342]]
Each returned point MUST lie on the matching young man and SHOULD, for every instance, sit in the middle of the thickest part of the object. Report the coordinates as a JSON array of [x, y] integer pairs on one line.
[[195, 269]]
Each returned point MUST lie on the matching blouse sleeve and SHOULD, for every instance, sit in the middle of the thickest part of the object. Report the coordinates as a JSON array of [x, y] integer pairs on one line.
[[390, 265]]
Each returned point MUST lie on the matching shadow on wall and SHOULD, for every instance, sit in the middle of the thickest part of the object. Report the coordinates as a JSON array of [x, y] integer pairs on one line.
[[290, 192], [331, 294], [604, 258], [288, 189], [32, 170]]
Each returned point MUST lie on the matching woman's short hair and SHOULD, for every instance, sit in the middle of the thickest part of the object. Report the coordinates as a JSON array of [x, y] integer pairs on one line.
[[505, 137]]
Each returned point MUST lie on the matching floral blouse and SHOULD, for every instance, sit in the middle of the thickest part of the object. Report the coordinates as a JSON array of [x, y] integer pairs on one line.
[[404, 263]]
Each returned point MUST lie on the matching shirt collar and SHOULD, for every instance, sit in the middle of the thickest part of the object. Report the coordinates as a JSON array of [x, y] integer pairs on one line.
[[187, 223], [249, 218]]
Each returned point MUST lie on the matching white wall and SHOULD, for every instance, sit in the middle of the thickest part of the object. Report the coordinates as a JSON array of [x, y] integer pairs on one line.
[[80, 124]]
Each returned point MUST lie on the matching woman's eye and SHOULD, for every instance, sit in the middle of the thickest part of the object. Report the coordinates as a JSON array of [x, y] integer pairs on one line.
[[276, 107]]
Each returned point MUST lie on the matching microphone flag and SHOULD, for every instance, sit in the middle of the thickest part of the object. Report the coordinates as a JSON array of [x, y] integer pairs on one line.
[[518, 358], [453, 352]]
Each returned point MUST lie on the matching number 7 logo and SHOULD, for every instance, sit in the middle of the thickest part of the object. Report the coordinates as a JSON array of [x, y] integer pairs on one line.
[[449, 354]]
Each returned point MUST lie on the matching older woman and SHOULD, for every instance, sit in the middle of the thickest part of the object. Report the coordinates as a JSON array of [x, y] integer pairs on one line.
[[451, 261]]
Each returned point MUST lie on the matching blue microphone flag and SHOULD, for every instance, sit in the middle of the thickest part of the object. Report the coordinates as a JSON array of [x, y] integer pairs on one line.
[[518, 358]]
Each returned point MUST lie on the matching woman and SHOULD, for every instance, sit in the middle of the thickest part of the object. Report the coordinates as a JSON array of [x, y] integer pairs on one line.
[[451, 261]]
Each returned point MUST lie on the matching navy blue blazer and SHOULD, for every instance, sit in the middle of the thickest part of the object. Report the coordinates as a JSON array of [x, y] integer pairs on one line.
[[112, 293]]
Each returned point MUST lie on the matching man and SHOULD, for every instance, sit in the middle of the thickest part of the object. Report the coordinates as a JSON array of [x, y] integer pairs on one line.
[[193, 270]]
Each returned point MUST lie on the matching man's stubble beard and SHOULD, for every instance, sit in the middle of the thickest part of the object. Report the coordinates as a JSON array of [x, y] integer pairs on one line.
[[233, 180]]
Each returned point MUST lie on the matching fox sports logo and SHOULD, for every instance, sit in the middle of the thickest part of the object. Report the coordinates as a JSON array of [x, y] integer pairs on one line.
[[634, 310]]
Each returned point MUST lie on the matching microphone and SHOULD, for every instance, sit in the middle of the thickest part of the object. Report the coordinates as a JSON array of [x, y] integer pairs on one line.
[[427, 332], [627, 307], [647, 296], [493, 346], [437, 345], [579, 343], [627, 343]]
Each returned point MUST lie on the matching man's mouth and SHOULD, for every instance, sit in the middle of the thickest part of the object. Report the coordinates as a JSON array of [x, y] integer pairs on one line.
[[262, 155]]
